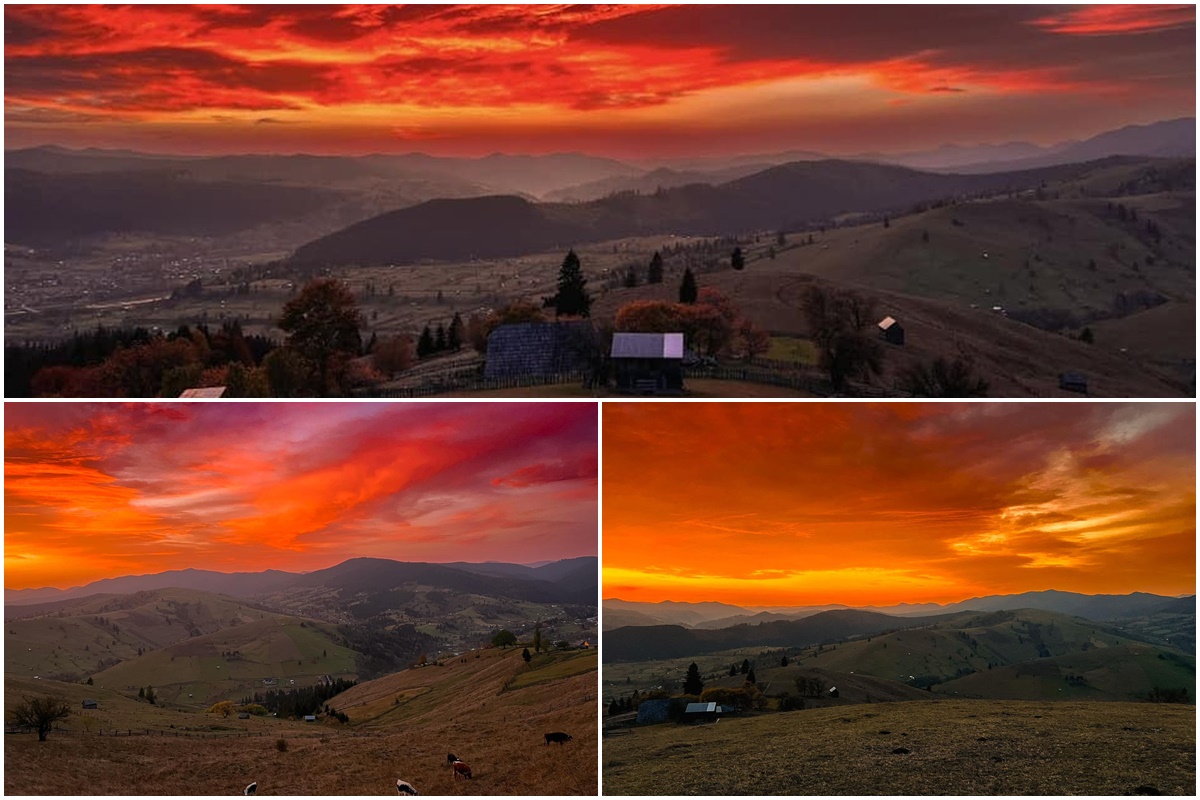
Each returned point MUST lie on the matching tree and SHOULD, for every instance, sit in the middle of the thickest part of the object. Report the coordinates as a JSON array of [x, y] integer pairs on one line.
[[745, 666], [838, 324], [150, 696], [289, 374], [692, 684], [224, 708], [750, 676], [525, 655], [40, 713], [687, 287], [504, 638], [392, 355], [439, 342], [736, 259], [733, 670], [1086, 335], [572, 298], [425, 344], [942, 378], [537, 637], [654, 273], [455, 335], [630, 281], [90, 682], [755, 341], [783, 662], [141, 692], [322, 321]]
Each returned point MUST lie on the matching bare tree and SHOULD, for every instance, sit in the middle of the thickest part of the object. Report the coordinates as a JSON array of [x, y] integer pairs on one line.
[[839, 325], [40, 713]]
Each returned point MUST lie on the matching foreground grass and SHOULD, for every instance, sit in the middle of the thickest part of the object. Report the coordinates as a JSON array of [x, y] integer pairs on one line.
[[955, 747]]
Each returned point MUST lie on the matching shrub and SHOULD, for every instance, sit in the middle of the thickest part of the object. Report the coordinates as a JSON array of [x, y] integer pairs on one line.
[[281, 745]]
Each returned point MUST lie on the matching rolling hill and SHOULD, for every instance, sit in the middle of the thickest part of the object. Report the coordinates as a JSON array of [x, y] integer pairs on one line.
[[489, 708], [785, 197]]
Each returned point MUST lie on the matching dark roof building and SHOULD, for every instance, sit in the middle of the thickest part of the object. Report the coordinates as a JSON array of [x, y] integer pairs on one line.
[[91, 704], [540, 348], [648, 363]]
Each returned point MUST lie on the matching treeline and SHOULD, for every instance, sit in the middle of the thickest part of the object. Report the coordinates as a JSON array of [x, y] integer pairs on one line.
[[299, 702], [138, 362]]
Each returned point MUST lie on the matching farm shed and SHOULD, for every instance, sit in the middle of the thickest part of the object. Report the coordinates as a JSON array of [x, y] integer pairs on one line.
[[701, 712], [207, 392], [891, 331], [540, 348], [91, 704], [310, 717], [243, 715], [648, 363], [653, 711], [1073, 382]]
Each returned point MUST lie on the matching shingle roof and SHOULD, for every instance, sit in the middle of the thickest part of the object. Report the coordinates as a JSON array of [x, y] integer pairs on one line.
[[538, 348], [647, 345]]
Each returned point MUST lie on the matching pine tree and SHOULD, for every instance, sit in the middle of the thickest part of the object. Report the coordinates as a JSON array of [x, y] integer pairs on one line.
[[733, 670], [745, 665], [687, 288], [425, 343], [654, 274], [572, 298], [736, 259], [525, 655], [750, 676], [439, 342], [783, 662], [692, 684], [454, 336]]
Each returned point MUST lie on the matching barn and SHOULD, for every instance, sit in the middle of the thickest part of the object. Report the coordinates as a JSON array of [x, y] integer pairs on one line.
[[891, 331], [651, 712], [648, 363], [541, 348], [204, 393], [310, 717], [701, 712], [91, 704]]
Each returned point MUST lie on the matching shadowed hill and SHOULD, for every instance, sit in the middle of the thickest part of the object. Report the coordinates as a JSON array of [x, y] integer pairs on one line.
[[780, 198], [671, 641]]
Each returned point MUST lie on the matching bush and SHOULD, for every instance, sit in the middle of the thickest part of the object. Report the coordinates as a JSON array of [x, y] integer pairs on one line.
[[281, 745]]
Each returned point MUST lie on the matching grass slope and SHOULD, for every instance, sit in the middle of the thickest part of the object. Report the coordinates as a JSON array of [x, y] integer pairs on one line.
[[955, 748], [491, 711]]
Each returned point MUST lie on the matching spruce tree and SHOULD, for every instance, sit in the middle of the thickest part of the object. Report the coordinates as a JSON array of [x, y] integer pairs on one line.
[[736, 259], [655, 272], [572, 298], [687, 288], [425, 343], [692, 684]]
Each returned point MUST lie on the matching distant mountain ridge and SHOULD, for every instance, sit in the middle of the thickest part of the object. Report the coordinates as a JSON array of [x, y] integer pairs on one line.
[[1095, 607], [564, 581]]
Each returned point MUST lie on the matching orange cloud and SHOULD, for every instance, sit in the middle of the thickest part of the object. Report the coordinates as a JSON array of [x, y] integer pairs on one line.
[[96, 490], [775, 504]]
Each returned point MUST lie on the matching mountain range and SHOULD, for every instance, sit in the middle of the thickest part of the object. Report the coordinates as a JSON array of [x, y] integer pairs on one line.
[[567, 581], [618, 613]]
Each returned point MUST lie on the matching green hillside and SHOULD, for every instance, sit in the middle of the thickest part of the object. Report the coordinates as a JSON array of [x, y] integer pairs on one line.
[[91, 634], [234, 662]]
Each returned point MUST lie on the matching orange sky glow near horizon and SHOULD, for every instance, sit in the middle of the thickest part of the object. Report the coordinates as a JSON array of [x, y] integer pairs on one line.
[[97, 491], [617, 80], [765, 504]]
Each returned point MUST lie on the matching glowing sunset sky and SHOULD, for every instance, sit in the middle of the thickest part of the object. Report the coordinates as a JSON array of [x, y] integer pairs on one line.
[[625, 81], [876, 504], [100, 490]]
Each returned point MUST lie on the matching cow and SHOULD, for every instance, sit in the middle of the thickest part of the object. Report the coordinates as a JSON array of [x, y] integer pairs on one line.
[[251, 789], [450, 759], [557, 736], [461, 769], [404, 787]]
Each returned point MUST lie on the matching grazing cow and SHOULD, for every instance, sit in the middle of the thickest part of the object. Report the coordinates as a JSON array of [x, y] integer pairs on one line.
[[251, 789], [461, 769], [450, 759], [557, 736], [404, 787]]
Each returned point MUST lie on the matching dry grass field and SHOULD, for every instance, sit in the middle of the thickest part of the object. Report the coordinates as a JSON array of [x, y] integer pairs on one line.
[[916, 748], [402, 726]]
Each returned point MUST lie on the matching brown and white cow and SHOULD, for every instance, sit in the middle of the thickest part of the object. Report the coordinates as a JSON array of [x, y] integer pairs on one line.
[[461, 769]]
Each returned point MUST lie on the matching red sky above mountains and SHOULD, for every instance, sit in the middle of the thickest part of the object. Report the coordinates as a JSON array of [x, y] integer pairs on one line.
[[619, 80], [100, 490], [876, 504]]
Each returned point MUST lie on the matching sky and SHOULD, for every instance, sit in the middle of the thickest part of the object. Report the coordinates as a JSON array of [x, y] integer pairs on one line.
[[100, 490], [767, 504], [624, 81]]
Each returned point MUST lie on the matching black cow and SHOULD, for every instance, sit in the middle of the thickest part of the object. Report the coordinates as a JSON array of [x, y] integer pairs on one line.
[[450, 759], [557, 736]]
